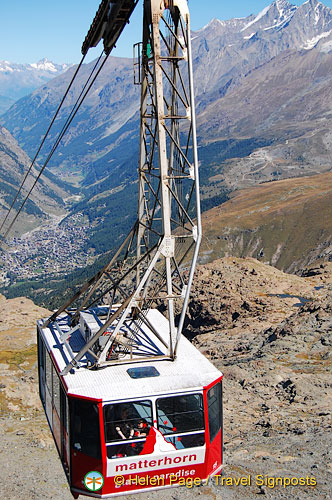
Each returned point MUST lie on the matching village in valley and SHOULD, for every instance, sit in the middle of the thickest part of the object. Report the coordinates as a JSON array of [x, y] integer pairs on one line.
[[48, 250]]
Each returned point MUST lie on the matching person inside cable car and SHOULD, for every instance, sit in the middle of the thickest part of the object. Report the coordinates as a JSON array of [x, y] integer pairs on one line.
[[124, 430], [128, 423], [124, 427], [142, 429]]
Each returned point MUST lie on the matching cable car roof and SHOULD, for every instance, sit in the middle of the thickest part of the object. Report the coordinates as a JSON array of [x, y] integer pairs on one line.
[[190, 370]]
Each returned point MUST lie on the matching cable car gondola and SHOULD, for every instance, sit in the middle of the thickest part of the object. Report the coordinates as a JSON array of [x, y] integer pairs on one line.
[[131, 403], [141, 426]]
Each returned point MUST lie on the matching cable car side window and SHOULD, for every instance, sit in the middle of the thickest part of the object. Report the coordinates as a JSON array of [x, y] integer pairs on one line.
[[180, 414], [49, 367], [84, 427], [181, 420], [56, 391], [214, 410], [130, 423]]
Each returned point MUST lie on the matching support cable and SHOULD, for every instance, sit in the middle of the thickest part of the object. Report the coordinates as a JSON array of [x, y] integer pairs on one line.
[[62, 133], [43, 141]]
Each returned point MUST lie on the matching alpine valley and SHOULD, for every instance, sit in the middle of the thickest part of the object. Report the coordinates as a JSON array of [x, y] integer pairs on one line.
[[264, 110]]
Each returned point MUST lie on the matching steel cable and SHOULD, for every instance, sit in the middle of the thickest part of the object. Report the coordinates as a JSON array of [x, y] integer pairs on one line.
[[43, 141], [62, 133]]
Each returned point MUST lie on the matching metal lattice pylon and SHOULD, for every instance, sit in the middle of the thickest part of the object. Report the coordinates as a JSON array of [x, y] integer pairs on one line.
[[155, 264]]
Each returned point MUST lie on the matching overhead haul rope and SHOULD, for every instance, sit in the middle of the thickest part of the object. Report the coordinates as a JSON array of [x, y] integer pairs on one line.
[[42, 143], [64, 129]]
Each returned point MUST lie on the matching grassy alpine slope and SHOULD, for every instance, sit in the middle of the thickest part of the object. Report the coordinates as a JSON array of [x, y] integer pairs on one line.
[[287, 223]]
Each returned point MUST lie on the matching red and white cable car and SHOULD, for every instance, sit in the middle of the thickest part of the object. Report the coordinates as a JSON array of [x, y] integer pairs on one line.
[[131, 403], [140, 426]]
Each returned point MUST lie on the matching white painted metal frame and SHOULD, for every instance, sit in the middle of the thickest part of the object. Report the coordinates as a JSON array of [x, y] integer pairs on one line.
[[154, 266], [190, 372]]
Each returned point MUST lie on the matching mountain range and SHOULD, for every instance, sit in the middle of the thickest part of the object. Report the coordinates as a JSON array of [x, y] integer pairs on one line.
[[18, 80], [261, 69], [264, 111]]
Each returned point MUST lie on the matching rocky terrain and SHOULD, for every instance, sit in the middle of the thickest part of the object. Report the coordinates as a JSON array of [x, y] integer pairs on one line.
[[269, 332]]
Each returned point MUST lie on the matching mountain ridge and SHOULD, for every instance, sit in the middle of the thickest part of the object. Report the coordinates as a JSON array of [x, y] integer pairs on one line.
[[286, 224], [48, 198], [18, 80]]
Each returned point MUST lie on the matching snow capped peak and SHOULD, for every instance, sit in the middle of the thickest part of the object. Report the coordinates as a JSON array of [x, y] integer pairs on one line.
[[47, 65], [318, 14], [218, 26], [42, 65], [274, 15], [40, 72], [258, 17], [314, 4], [5, 66], [281, 5], [18, 80], [210, 24]]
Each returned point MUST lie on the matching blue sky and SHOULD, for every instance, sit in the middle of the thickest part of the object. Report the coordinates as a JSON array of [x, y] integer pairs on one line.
[[31, 30]]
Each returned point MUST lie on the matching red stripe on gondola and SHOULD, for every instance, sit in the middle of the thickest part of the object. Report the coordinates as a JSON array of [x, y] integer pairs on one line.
[[77, 396], [102, 438]]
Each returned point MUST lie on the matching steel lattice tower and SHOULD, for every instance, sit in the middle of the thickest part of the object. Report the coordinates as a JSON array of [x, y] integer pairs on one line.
[[154, 266]]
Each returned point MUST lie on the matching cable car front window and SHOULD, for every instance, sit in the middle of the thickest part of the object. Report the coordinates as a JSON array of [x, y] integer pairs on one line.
[[181, 420], [128, 423], [180, 414]]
